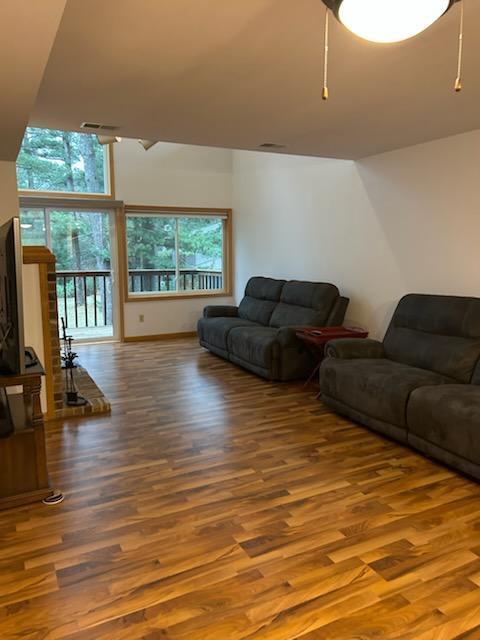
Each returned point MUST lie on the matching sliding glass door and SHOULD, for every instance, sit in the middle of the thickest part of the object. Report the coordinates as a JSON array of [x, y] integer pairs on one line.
[[83, 243]]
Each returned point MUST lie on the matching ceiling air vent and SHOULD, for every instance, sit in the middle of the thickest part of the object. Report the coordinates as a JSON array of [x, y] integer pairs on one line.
[[271, 145], [98, 127]]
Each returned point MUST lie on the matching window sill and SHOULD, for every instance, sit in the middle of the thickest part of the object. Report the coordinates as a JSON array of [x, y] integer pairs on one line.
[[65, 194], [170, 295]]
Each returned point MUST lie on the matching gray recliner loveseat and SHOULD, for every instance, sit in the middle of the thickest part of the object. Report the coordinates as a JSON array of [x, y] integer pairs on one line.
[[259, 335], [421, 386]]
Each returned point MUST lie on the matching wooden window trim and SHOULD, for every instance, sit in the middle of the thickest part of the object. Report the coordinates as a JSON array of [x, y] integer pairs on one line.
[[175, 211], [81, 195]]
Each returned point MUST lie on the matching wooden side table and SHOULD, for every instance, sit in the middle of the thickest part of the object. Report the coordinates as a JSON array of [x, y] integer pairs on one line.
[[317, 337], [23, 459]]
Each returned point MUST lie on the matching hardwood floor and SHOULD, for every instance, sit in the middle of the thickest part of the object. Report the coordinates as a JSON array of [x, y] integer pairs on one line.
[[214, 505]]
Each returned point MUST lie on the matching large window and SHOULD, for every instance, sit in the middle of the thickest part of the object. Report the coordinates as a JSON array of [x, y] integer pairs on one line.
[[63, 161], [82, 243], [170, 252]]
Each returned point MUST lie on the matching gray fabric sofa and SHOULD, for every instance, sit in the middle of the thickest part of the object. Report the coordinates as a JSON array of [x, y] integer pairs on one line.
[[421, 386], [258, 334]]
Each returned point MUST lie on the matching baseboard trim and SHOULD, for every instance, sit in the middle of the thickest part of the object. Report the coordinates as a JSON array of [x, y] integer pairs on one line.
[[161, 336]]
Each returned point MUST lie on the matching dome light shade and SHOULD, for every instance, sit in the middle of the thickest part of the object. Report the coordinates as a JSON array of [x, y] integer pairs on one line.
[[388, 20]]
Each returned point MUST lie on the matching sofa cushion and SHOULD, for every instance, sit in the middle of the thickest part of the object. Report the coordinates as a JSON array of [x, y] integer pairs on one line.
[[257, 345], [261, 298], [214, 331], [304, 303], [476, 374], [378, 388], [439, 333], [447, 417]]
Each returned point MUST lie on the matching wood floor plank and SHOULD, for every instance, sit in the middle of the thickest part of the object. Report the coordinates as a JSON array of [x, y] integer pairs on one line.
[[212, 504]]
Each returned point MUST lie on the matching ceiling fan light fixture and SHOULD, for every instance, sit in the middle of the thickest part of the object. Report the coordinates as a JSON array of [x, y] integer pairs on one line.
[[387, 21], [103, 140], [147, 144]]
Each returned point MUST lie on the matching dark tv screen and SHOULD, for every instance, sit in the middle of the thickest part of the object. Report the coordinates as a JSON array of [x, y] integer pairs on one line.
[[12, 347]]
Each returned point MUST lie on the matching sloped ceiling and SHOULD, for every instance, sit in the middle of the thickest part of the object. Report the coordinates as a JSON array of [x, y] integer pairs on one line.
[[238, 73], [27, 31]]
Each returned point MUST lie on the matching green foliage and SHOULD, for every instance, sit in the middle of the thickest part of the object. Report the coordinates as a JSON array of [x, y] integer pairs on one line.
[[151, 242], [80, 240], [200, 243], [51, 160]]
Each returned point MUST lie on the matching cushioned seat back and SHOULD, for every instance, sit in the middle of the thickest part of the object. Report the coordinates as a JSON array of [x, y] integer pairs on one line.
[[439, 333], [261, 298], [304, 303], [476, 374]]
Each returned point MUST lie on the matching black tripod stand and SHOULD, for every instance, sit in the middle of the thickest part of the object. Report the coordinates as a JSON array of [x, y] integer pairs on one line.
[[72, 397]]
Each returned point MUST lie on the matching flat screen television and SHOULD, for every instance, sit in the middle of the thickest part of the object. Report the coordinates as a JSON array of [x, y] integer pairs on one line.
[[12, 345]]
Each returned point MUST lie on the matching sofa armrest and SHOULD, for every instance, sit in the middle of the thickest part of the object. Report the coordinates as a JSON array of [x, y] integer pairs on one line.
[[354, 348], [220, 311], [337, 314]]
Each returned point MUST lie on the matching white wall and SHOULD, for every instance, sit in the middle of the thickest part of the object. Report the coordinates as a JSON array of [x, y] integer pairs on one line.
[[8, 190], [404, 221], [171, 175]]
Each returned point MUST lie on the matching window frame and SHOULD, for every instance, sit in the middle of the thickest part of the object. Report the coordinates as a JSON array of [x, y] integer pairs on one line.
[[114, 208], [176, 212], [109, 178]]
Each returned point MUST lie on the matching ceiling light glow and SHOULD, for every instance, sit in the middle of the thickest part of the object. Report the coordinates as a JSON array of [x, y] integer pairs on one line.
[[390, 20]]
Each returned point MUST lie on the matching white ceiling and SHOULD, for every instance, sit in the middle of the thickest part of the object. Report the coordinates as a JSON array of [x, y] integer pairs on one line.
[[238, 73]]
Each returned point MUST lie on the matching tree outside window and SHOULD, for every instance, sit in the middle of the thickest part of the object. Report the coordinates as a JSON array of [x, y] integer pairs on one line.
[[53, 160]]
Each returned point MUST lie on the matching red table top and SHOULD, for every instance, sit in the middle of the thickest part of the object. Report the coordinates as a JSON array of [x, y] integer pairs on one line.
[[322, 335]]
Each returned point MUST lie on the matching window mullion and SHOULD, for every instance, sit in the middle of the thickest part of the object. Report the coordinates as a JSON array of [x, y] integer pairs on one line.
[[224, 256], [48, 228], [177, 266]]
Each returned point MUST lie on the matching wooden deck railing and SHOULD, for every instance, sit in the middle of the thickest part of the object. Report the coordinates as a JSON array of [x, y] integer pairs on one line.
[[85, 297], [155, 280]]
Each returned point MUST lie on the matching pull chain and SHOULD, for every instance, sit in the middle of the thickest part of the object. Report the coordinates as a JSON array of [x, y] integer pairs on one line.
[[325, 60], [458, 81]]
